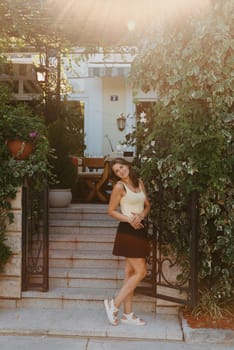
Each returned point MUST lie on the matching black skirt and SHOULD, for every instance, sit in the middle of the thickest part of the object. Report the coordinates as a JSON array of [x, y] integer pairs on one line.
[[131, 243]]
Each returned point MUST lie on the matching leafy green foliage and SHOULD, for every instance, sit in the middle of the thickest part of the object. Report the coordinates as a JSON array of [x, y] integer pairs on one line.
[[66, 137], [186, 142], [18, 121], [5, 251], [29, 23]]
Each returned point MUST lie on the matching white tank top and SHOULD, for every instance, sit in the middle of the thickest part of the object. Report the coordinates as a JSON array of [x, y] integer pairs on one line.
[[132, 202]]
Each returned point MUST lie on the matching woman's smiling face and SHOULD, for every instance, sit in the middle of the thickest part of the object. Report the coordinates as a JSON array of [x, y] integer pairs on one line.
[[121, 170]]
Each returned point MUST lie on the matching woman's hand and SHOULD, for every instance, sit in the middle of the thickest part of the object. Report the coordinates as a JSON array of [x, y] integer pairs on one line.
[[135, 221]]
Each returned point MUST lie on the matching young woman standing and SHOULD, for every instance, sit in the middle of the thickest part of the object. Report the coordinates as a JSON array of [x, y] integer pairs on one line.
[[131, 238]]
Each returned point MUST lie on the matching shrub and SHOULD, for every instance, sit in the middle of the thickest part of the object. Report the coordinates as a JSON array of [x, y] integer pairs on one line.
[[186, 140]]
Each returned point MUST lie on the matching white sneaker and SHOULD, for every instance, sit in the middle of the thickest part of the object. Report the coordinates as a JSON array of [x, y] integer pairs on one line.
[[111, 311]]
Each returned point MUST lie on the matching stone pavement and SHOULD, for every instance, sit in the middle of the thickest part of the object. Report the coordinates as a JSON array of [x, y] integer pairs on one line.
[[85, 322], [55, 343], [88, 329]]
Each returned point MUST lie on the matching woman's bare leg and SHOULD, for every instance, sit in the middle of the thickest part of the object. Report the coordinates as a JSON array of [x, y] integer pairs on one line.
[[129, 271], [138, 273]]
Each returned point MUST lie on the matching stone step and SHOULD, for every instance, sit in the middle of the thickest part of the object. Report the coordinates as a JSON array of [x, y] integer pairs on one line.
[[82, 245], [85, 277], [87, 263], [82, 240], [84, 223], [94, 273], [82, 237], [88, 258], [81, 254], [67, 298], [82, 267], [81, 227], [85, 322], [91, 216], [81, 212], [86, 241]]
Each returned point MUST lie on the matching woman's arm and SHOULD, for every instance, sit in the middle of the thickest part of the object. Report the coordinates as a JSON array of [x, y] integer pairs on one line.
[[115, 198], [141, 216], [146, 204]]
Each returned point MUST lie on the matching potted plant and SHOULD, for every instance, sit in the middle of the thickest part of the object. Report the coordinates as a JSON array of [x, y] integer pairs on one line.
[[22, 132], [66, 138], [63, 169], [18, 122]]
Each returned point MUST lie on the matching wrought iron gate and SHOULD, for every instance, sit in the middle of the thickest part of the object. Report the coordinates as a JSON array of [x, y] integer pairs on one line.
[[158, 282], [35, 235]]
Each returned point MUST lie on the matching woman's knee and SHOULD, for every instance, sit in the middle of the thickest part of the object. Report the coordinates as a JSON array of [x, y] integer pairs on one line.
[[128, 271], [143, 272], [139, 268]]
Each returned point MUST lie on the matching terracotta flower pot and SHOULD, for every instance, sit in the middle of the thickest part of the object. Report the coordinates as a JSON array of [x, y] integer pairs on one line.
[[19, 149]]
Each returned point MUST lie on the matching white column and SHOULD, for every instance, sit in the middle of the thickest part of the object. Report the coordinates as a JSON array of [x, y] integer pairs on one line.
[[93, 118]]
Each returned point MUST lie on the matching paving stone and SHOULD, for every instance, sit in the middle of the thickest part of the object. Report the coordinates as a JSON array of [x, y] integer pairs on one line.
[[41, 343], [86, 322], [58, 343]]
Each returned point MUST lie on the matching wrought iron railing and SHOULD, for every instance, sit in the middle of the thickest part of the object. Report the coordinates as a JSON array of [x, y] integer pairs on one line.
[[35, 235], [170, 276]]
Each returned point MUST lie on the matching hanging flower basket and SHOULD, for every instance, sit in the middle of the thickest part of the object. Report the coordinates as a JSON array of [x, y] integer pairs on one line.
[[19, 149]]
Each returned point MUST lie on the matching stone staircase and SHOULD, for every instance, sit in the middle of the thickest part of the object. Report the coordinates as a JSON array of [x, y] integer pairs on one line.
[[82, 269], [83, 272]]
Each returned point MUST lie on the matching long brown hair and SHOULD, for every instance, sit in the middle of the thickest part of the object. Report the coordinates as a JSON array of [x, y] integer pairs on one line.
[[132, 173]]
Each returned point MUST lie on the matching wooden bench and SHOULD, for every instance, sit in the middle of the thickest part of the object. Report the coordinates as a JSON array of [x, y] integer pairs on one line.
[[94, 177]]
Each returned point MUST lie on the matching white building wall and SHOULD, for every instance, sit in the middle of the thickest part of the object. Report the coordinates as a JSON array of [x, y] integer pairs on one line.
[[101, 112], [89, 91], [113, 87], [105, 97], [93, 117]]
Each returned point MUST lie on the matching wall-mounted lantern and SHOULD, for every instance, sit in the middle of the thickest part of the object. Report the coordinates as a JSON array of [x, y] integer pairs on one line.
[[121, 122], [41, 73]]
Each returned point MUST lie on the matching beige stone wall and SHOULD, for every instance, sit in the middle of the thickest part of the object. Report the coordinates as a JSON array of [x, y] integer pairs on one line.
[[10, 279]]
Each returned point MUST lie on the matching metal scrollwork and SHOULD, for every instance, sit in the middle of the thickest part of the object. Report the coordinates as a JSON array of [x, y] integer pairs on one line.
[[35, 237], [169, 276]]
